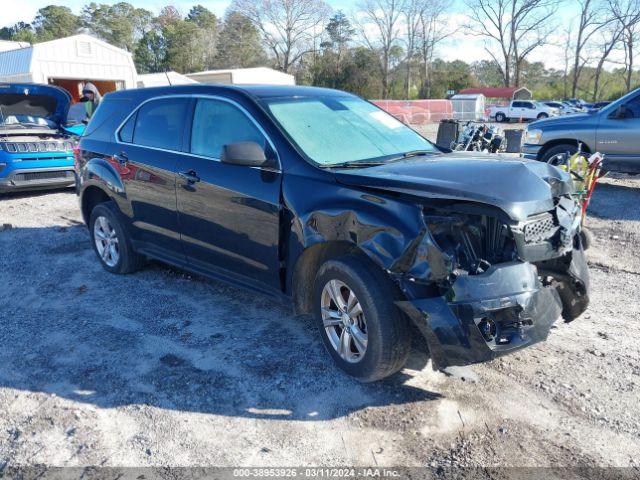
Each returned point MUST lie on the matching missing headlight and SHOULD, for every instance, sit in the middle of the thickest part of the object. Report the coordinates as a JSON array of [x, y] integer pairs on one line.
[[474, 242]]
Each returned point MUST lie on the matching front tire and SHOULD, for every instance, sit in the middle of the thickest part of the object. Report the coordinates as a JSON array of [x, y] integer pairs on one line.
[[361, 327], [501, 117], [557, 153], [110, 240], [542, 116]]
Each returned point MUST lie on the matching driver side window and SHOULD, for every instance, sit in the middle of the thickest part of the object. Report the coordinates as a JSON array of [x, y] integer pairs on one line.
[[217, 123], [633, 107]]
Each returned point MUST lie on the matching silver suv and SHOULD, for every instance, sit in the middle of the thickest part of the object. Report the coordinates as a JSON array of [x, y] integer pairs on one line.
[[614, 130]]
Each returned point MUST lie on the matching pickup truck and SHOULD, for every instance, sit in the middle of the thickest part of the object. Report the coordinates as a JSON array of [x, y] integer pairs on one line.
[[523, 109], [613, 131]]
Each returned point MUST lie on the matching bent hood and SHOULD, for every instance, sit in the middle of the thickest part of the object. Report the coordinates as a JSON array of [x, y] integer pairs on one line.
[[518, 187], [45, 101]]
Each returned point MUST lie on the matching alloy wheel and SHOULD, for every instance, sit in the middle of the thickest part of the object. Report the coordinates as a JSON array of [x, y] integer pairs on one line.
[[106, 240], [344, 321]]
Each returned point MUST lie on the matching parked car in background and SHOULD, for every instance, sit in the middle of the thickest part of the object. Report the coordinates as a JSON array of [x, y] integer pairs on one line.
[[522, 110], [322, 200], [599, 105], [563, 108], [36, 147], [578, 103], [613, 130], [573, 106]]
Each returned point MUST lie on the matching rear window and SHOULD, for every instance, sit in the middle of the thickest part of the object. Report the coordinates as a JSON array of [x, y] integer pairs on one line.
[[160, 123]]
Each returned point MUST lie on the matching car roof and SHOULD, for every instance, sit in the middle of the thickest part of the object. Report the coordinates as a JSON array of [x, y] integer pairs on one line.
[[254, 91]]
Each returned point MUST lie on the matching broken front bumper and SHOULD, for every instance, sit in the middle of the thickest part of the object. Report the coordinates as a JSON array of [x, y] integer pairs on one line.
[[484, 316]]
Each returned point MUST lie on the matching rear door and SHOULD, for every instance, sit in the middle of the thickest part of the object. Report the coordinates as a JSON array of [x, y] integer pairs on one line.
[[149, 149], [228, 214], [516, 109], [617, 138]]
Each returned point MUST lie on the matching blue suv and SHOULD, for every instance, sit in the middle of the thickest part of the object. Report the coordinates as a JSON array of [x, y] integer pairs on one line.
[[36, 148]]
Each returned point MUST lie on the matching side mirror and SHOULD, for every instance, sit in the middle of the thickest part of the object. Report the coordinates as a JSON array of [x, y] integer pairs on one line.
[[248, 154]]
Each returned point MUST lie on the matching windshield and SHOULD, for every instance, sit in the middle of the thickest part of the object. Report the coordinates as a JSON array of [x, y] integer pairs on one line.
[[337, 130], [24, 121]]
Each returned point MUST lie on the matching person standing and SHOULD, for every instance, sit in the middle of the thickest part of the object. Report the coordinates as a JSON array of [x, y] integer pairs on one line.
[[91, 98]]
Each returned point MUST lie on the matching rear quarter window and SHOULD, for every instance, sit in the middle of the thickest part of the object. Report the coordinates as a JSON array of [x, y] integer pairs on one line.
[[126, 132], [107, 117]]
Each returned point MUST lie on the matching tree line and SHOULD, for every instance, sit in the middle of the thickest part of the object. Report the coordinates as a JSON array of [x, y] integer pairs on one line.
[[384, 49]]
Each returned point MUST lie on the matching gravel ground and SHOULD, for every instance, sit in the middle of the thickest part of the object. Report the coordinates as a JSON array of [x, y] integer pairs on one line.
[[163, 368]]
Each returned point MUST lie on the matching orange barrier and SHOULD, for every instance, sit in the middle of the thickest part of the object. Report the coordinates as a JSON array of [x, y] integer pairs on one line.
[[417, 112]]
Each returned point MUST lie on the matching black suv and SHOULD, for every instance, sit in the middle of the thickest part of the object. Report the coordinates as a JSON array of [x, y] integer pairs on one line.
[[319, 198]]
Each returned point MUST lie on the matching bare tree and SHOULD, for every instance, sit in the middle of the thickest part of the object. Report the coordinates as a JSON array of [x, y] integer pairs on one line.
[[592, 18], [378, 23], [611, 36], [290, 28], [516, 27], [424, 28], [432, 30], [627, 13], [411, 12], [568, 49]]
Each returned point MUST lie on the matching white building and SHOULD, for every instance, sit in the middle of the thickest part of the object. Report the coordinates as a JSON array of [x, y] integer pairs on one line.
[[69, 62], [8, 45], [244, 76], [468, 106]]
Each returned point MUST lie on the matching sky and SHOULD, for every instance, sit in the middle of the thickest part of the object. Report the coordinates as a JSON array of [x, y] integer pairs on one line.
[[460, 46]]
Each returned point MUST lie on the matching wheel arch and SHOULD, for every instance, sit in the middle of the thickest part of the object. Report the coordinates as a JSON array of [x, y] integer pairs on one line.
[[91, 196], [562, 141], [310, 261]]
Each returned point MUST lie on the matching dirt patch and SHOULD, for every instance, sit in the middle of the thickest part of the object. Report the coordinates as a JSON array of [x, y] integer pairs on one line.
[[165, 368]]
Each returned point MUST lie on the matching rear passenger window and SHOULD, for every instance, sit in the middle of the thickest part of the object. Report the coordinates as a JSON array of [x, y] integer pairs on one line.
[[160, 123], [217, 123]]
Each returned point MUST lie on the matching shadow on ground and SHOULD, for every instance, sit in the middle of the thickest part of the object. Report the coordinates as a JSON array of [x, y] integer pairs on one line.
[[615, 201], [34, 193], [164, 338]]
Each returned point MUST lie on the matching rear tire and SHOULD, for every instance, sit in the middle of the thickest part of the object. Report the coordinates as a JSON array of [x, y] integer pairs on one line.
[[386, 329], [552, 154], [110, 240], [501, 117]]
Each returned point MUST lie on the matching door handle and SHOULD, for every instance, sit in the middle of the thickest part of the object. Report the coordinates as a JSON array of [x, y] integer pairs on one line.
[[190, 176], [121, 158]]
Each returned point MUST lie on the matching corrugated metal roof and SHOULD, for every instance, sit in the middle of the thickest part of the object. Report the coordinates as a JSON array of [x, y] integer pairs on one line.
[[13, 62]]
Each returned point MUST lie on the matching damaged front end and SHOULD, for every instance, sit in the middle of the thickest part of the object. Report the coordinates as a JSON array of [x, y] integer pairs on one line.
[[480, 286]]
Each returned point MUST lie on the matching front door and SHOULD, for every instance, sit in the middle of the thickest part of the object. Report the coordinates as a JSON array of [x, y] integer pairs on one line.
[[147, 153], [617, 137], [228, 214]]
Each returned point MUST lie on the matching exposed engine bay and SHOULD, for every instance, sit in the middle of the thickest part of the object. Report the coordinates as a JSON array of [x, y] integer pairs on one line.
[[500, 284]]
